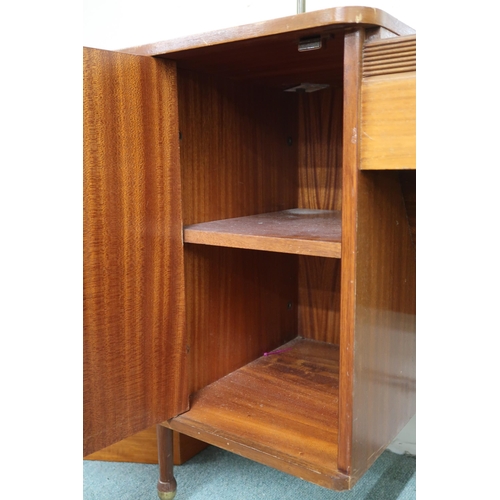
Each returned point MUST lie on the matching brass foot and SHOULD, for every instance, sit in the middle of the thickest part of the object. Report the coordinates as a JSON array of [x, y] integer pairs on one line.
[[163, 495], [167, 491]]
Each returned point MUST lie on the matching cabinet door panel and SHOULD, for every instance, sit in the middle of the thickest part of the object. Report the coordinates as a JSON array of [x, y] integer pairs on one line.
[[134, 311]]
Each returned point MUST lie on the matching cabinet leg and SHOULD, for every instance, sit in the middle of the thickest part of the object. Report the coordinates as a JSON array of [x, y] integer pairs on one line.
[[167, 485]]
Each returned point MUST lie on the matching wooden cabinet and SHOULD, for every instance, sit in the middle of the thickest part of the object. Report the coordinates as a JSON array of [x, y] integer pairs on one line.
[[250, 240]]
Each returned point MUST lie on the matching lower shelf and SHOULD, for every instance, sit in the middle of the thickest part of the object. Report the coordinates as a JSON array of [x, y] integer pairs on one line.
[[280, 410]]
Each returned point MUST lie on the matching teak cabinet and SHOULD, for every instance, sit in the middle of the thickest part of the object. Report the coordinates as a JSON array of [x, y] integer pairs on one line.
[[249, 242]]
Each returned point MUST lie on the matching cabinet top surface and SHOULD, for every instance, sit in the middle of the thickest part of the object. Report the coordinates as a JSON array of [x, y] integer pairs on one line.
[[320, 22]]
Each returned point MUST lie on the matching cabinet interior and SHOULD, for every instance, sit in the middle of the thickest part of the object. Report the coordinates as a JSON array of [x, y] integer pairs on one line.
[[261, 200], [249, 257]]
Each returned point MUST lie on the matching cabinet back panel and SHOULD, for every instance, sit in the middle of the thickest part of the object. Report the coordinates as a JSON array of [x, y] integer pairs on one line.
[[319, 299], [240, 304], [236, 160], [320, 149], [320, 187], [235, 153]]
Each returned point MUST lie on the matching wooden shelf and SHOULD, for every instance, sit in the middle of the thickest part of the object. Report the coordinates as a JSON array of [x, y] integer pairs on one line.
[[280, 410], [296, 231]]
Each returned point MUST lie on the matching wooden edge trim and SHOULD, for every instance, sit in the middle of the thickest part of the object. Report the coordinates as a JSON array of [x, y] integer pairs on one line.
[[340, 16], [400, 40], [352, 102], [270, 244], [338, 482]]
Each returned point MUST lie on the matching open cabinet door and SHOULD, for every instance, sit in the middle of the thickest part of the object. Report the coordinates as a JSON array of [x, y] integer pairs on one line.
[[134, 306]]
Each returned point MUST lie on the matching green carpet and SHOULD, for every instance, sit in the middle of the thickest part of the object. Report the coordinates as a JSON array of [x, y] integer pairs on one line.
[[219, 475]]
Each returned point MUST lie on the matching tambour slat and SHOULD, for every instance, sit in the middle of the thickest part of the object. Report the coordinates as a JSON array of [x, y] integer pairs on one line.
[[410, 55], [389, 56], [400, 40], [392, 71], [394, 47], [390, 63]]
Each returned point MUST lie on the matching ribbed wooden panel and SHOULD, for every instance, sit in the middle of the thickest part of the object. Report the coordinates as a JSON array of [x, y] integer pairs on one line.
[[392, 55]]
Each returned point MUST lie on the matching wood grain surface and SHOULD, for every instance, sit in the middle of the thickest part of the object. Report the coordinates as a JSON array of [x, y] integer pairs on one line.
[[240, 303], [376, 395], [237, 160], [394, 55], [388, 100], [238, 148], [139, 448], [297, 231], [143, 448], [179, 296], [388, 139], [270, 62], [408, 180], [320, 187], [134, 326], [320, 149], [280, 410], [351, 124], [319, 299], [384, 358], [384, 369], [299, 25]]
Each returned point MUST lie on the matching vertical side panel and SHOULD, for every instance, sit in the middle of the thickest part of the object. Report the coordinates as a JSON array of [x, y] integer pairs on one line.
[[134, 310], [384, 368], [383, 381], [352, 81]]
